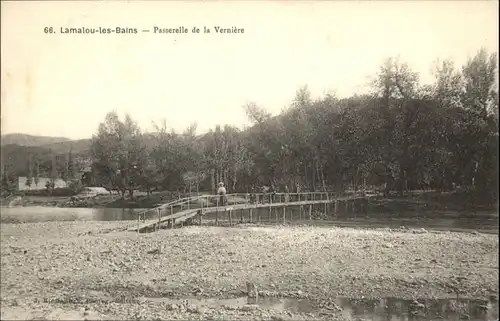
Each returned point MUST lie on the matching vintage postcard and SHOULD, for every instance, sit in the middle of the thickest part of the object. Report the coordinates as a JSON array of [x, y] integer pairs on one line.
[[249, 160]]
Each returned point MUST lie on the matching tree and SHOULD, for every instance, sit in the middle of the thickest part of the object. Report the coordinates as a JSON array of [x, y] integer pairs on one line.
[[479, 75], [29, 177], [51, 183], [36, 177], [167, 158], [118, 154], [448, 88], [8, 181], [480, 125]]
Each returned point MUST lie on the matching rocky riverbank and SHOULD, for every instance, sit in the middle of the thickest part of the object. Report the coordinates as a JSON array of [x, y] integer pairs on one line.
[[111, 201], [77, 270]]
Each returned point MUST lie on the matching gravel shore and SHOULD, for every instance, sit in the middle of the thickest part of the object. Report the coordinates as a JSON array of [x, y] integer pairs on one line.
[[95, 270]]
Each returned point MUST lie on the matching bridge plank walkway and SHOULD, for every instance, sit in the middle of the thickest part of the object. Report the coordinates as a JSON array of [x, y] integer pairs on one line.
[[182, 216]]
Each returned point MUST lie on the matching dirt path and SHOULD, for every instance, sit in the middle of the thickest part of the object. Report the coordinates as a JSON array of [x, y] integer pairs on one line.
[[71, 270]]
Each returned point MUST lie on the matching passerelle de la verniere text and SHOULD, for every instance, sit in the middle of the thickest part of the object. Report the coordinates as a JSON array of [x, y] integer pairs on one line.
[[154, 30]]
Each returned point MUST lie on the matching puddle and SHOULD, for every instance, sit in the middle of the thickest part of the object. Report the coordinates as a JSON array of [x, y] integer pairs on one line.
[[385, 309], [268, 303], [423, 309]]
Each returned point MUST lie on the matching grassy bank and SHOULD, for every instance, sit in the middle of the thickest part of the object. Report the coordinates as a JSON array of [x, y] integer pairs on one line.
[[68, 263], [58, 201]]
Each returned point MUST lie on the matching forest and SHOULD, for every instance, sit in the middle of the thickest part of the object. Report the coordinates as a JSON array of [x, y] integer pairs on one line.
[[401, 136]]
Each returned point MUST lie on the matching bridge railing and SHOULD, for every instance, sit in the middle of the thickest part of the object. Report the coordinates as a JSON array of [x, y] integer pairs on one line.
[[215, 201], [181, 204]]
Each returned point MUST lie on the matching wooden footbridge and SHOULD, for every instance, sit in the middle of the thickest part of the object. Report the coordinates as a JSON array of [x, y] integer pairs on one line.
[[184, 210]]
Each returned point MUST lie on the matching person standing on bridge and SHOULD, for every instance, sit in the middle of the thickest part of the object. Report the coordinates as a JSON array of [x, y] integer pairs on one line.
[[253, 196], [222, 194], [272, 193]]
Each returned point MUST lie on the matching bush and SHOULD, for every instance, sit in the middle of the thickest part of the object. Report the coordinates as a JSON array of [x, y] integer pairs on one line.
[[63, 192], [66, 191], [76, 186]]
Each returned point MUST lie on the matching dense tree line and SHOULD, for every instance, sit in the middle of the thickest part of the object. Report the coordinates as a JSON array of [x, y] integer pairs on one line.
[[36, 162], [402, 136]]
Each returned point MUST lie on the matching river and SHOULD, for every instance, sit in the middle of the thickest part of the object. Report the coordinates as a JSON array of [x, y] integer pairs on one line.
[[45, 214], [484, 222]]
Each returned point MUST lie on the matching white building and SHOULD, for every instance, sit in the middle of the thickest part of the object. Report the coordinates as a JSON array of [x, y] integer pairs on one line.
[[93, 191], [42, 182]]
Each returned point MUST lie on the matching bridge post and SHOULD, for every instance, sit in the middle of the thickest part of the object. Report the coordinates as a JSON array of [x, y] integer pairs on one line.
[[250, 215], [159, 218], [230, 217], [241, 216], [326, 204], [300, 206], [310, 212], [217, 212], [200, 214]]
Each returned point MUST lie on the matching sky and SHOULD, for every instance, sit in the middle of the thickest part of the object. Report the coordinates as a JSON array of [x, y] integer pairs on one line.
[[64, 84]]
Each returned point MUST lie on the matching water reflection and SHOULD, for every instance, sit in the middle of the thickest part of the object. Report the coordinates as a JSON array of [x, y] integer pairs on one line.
[[44, 214], [293, 216], [385, 309], [391, 309]]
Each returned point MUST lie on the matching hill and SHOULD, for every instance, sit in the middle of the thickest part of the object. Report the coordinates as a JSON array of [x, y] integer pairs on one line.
[[18, 149], [80, 146], [30, 140]]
